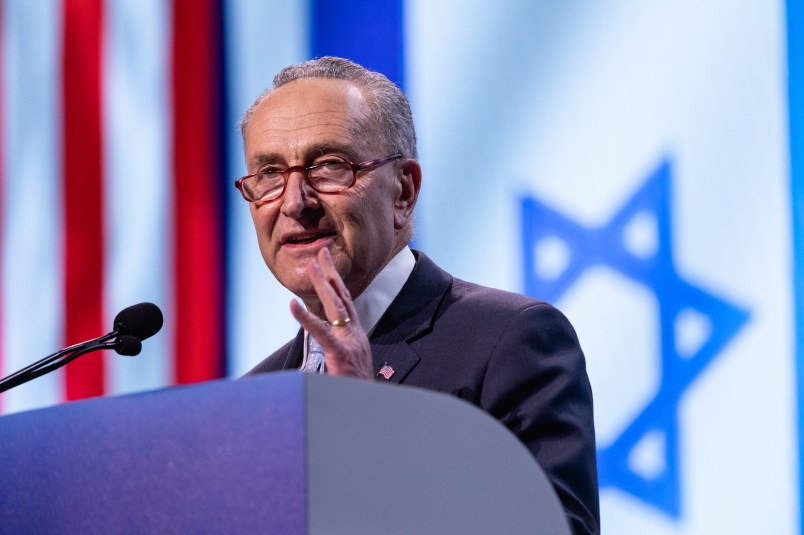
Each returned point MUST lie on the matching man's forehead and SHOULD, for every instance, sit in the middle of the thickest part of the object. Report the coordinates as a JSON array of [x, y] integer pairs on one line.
[[314, 95], [316, 110]]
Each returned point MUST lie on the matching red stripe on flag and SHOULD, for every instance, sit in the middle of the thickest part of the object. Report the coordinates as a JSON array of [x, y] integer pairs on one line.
[[83, 192], [197, 210]]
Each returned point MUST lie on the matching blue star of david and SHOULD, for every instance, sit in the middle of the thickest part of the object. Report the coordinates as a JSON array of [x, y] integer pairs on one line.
[[655, 270]]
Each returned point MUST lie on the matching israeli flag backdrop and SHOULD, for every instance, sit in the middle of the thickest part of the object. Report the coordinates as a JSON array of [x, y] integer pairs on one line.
[[638, 164]]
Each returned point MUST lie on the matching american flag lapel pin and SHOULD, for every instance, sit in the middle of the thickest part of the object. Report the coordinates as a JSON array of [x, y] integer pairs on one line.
[[386, 371]]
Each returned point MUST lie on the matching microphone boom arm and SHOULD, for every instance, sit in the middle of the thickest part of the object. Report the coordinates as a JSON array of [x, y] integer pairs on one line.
[[52, 362]]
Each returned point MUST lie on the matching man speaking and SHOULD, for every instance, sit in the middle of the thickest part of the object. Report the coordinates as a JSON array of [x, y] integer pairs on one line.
[[332, 184]]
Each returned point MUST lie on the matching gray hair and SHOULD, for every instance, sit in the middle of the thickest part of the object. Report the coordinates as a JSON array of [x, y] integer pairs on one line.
[[386, 101]]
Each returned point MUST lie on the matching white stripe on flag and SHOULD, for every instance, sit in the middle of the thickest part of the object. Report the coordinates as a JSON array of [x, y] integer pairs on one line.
[[259, 315], [32, 228], [137, 126]]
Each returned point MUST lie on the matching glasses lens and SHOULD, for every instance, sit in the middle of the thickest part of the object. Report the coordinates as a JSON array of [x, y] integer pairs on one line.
[[264, 186], [331, 177]]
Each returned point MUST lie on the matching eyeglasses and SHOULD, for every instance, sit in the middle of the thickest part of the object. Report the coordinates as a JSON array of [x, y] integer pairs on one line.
[[329, 177]]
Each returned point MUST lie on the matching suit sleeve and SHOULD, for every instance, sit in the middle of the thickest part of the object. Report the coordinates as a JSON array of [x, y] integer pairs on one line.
[[537, 385]]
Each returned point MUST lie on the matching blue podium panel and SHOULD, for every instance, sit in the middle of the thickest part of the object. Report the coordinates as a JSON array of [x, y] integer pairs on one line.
[[212, 458]]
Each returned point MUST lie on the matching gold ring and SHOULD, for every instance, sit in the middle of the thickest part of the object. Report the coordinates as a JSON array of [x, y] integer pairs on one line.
[[341, 323]]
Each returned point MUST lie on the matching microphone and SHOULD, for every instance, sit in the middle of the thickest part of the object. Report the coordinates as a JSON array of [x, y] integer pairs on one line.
[[132, 325], [140, 321], [128, 345]]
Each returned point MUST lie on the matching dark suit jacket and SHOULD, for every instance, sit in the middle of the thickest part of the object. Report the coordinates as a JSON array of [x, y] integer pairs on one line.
[[515, 357]]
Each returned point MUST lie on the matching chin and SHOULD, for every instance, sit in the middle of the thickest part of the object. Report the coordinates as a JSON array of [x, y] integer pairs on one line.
[[300, 286]]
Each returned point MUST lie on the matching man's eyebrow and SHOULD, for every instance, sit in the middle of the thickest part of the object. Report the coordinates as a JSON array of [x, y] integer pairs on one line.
[[329, 147], [264, 159], [311, 153]]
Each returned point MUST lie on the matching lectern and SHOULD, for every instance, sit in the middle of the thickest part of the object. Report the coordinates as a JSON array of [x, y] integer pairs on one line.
[[284, 453]]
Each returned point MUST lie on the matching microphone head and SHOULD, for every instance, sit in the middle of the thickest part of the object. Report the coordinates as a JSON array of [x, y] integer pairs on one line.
[[141, 321], [128, 345]]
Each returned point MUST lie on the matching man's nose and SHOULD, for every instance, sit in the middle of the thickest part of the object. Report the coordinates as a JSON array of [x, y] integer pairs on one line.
[[298, 196]]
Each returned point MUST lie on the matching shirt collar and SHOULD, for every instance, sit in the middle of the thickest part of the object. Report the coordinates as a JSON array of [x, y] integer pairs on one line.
[[380, 293]]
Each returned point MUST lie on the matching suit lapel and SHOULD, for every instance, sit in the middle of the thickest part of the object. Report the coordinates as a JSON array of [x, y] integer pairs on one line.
[[410, 316], [293, 358]]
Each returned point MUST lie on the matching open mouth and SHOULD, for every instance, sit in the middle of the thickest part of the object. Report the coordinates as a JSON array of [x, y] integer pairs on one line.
[[303, 239]]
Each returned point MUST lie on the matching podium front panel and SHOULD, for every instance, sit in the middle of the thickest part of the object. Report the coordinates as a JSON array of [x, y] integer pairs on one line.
[[211, 458]]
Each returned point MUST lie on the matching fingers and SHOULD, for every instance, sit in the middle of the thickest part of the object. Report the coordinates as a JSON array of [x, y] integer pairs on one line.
[[332, 292], [329, 270], [348, 355], [309, 321]]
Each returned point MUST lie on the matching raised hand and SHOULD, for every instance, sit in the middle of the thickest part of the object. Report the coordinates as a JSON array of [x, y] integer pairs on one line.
[[346, 347]]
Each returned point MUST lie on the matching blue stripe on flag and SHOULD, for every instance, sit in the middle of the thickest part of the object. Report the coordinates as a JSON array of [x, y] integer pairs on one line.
[[795, 58], [223, 93], [370, 33]]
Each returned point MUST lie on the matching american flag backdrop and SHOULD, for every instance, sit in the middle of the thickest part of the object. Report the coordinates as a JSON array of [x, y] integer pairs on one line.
[[636, 163], [120, 144]]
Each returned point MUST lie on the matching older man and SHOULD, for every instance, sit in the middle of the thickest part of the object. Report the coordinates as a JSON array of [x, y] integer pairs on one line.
[[331, 152]]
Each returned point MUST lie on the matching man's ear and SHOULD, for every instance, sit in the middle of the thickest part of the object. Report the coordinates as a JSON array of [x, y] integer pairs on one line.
[[410, 180]]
